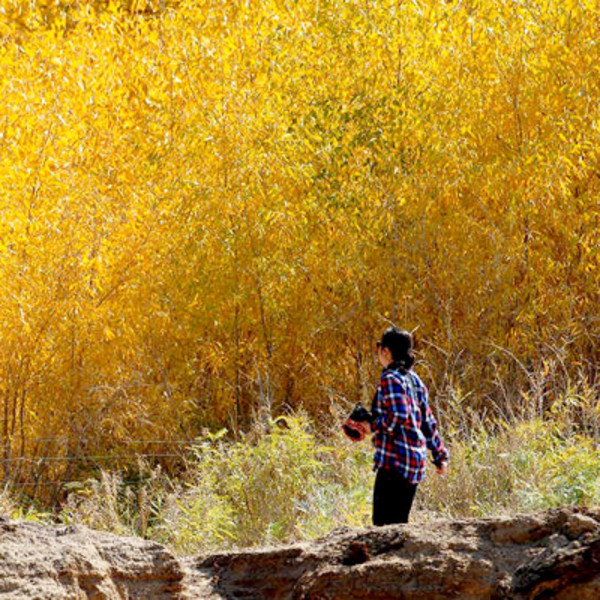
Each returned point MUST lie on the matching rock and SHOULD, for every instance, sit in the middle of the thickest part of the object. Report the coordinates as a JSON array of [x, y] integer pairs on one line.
[[562, 573], [521, 530], [45, 562], [551, 554], [578, 524]]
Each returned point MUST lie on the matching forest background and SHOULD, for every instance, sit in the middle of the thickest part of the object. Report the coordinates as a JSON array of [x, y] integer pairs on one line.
[[211, 210]]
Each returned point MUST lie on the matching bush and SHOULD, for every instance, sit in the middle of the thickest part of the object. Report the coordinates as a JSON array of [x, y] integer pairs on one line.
[[284, 483], [280, 486]]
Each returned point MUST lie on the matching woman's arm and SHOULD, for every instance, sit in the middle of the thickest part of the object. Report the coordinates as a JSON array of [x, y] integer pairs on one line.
[[432, 436]]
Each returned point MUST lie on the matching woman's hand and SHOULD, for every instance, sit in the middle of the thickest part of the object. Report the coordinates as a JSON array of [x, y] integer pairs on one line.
[[441, 470]]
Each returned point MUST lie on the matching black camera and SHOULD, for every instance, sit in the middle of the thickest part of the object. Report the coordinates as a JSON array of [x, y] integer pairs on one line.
[[360, 414], [356, 426]]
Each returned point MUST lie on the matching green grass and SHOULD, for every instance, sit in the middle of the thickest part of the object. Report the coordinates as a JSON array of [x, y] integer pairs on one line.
[[282, 485]]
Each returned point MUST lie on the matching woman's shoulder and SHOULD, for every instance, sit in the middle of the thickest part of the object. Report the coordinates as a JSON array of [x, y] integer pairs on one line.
[[417, 381], [415, 377], [396, 376]]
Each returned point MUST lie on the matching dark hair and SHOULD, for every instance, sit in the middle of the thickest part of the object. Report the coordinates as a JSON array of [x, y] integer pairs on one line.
[[400, 344]]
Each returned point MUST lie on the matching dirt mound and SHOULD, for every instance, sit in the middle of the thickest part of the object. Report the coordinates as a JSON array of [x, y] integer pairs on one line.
[[552, 554]]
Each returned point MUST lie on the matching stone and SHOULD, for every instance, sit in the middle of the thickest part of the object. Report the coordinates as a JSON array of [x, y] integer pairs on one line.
[[578, 524]]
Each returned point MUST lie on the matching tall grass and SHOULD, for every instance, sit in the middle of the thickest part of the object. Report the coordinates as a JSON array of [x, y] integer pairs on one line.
[[286, 482], [291, 478]]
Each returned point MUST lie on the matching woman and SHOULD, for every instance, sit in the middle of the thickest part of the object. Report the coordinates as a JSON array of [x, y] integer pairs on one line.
[[404, 428]]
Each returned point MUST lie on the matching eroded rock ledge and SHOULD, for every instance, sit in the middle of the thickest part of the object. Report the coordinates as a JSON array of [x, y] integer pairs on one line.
[[552, 554]]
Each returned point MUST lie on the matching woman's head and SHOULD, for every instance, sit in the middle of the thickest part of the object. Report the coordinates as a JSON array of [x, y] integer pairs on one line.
[[396, 346]]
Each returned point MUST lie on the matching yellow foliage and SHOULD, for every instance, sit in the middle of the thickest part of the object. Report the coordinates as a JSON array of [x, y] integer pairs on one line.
[[212, 208]]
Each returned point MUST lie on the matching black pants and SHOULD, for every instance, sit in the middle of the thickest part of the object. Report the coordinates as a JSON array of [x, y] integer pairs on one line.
[[393, 496]]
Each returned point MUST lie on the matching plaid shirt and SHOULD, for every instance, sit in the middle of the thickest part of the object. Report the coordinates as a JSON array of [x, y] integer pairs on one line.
[[404, 425]]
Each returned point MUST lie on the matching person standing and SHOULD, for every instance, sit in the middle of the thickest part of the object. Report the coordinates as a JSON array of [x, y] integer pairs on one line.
[[404, 428]]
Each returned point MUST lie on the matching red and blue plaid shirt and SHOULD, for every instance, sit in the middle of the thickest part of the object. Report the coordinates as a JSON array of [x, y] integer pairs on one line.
[[404, 425]]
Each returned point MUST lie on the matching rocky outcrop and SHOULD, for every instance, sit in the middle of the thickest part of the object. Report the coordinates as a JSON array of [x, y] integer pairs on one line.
[[552, 554], [43, 562]]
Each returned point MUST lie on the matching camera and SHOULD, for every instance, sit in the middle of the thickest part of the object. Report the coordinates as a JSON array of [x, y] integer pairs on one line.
[[357, 425]]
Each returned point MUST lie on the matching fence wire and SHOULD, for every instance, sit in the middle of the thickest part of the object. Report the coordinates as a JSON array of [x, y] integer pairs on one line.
[[40, 461]]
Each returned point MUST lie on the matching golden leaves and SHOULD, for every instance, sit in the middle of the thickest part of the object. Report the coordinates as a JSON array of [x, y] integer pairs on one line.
[[226, 180]]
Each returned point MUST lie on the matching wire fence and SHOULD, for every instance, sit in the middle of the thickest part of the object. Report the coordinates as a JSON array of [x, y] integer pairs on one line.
[[40, 461], [85, 440], [84, 457]]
